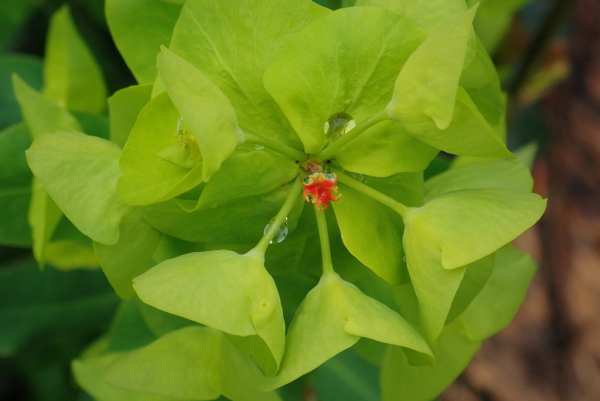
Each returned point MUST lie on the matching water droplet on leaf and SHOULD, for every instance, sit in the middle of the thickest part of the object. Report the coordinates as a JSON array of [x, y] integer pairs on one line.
[[404, 258], [338, 125], [329, 176], [281, 233], [258, 147]]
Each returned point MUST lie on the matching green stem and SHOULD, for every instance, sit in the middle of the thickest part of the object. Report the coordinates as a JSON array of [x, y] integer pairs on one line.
[[276, 146], [370, 192], [281, 216], [335, 147], [324, 238]]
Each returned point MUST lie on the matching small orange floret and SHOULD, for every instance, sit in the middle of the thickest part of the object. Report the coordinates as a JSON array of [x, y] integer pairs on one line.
[[320, 188]]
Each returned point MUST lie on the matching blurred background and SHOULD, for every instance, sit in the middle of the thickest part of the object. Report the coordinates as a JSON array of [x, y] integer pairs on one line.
[[548, 56]]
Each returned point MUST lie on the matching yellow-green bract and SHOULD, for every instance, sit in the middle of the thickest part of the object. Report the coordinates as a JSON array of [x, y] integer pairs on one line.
[[233, 285]]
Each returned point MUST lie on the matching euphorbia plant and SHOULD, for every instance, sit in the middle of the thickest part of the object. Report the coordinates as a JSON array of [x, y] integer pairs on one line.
[[268, 208]]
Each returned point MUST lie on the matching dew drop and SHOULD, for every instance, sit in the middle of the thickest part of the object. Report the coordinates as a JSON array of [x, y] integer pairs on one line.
[[338, 125], [404, 258], [258, 147], [329, 176], [281, 233]]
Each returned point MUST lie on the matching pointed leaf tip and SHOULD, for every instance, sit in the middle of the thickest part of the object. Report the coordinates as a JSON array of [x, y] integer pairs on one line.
[[72, 76], [456, 229], [80, 172], [40, 113], [427, 84], [333, 317], [470, 224], [198, 286], [206, 110]]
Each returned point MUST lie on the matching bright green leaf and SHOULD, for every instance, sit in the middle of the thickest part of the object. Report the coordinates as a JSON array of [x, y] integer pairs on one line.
[[42, 114], [247, 174], [384, 150], [497, 303], [192, 363], [453, 230], [139, 28], [470, 224], [124, 107], [482, 83], [197, 286], [427, 103], [430, 14], [235, 55], [241, 221], [475, 278], [205, 109], [88, 373], [27, 67], [399, 380], [377, 288], [426, 87], [80, 172], [332, 318], [372, 233], [69, 255], [435, 287], [331, 66], [482, 139], [131, 256], [71, 75], [148, 178], [511, 175], [43, 217]]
